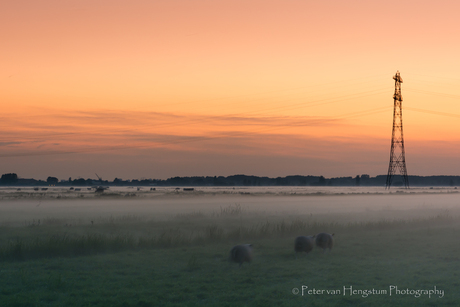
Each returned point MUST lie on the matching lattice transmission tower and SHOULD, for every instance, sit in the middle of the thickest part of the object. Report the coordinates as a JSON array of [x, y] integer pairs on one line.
[[397, 153]]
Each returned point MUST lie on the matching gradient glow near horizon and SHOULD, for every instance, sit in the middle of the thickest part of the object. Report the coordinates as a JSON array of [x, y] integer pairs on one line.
[[157, 89]]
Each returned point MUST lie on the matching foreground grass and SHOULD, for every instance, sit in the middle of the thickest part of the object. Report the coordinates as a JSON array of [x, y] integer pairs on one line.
[[174, 266], [62, 238]]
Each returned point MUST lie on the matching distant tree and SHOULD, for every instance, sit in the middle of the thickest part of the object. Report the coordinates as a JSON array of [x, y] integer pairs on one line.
[[322, 180], [358, 180], [10, 178], [145, 182], [196, 181], [52, 180], [79, 181], [278, 180]]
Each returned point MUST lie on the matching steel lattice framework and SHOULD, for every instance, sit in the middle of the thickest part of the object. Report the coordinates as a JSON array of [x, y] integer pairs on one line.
[[397, 153]]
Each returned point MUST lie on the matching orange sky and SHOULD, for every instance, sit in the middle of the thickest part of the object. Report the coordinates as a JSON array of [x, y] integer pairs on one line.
[[157, 89]]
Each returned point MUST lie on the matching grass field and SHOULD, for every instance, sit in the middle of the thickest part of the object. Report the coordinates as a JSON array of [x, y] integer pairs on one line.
[[174, 251]]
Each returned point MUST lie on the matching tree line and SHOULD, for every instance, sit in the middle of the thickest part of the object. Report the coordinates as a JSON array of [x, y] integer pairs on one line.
[[12, 179]]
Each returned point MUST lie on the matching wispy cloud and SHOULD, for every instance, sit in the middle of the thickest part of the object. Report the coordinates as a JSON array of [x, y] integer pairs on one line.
[[9, 143], [109, 127]]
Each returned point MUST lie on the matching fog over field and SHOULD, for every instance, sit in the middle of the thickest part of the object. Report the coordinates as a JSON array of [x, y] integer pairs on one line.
[[170, 246], [337, 204]]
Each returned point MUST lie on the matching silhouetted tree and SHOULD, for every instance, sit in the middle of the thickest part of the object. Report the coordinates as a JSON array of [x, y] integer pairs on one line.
[[79, 181], [10, 178], [52, 180], [322, 180]]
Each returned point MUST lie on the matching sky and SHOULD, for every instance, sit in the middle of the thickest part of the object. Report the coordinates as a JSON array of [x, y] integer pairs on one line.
[[157, 89]]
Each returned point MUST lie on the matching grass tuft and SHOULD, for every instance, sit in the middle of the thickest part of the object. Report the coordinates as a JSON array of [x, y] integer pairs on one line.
[[232, 210]]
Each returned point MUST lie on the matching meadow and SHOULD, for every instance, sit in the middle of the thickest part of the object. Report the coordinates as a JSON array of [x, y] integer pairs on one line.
[[171, 248]]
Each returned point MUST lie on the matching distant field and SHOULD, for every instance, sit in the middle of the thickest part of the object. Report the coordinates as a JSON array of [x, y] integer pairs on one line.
[[172, 249]]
